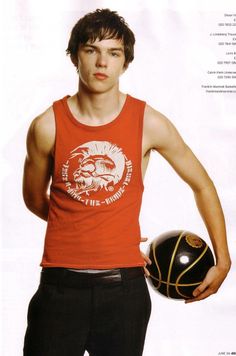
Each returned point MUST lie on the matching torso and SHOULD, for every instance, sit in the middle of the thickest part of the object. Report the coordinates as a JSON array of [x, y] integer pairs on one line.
[[50, 122]]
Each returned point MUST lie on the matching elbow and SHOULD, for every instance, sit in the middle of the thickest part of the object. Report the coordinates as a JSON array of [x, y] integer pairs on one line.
[[207, 186], [38, 205], [30, 201]]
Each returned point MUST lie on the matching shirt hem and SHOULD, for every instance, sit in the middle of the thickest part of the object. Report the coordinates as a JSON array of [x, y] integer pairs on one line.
[[79, 266]]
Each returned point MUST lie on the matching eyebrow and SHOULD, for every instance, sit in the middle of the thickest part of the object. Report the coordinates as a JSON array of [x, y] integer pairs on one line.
[[110, 49]]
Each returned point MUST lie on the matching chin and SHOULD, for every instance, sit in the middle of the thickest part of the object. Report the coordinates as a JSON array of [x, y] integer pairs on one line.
[[98, 89]]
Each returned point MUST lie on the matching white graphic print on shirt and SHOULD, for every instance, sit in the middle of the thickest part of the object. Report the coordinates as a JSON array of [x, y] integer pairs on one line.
[[97, 173]]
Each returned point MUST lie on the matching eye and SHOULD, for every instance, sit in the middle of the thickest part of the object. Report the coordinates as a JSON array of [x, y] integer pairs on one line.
[[89, 50], [115, 54]]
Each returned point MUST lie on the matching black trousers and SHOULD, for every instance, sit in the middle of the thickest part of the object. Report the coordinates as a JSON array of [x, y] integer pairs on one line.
[[72, 312]]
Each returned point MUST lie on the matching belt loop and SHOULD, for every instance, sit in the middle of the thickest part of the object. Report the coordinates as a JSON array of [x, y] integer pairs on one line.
[[60, 281]]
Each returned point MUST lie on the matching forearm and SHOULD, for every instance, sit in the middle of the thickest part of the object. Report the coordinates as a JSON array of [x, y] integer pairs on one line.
[[210, 209]]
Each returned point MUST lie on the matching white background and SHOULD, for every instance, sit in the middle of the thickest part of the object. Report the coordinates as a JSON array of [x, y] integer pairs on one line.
[[172, 55]]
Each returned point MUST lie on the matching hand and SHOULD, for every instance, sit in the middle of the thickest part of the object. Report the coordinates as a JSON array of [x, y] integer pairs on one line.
[[210, 285], [146, 259]]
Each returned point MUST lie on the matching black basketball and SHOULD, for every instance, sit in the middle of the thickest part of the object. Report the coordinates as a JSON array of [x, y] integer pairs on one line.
[[180, 261]]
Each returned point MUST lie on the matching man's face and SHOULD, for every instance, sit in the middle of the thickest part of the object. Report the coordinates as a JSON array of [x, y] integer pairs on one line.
[[100, 64]]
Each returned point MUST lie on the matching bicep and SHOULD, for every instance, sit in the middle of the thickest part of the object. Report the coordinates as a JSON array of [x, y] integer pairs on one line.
[[38, 163], [167, 141]]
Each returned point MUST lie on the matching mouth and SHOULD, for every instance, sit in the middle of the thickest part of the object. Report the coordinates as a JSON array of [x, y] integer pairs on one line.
[[100, 76]]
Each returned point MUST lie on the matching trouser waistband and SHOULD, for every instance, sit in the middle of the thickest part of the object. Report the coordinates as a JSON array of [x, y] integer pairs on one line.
[[67, 278]]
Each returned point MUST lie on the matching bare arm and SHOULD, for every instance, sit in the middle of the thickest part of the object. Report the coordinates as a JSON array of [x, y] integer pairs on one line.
[[161, 135], [38, 164]]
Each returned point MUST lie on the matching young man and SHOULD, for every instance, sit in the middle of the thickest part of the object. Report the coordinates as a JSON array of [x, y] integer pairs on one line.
[[94, 147]]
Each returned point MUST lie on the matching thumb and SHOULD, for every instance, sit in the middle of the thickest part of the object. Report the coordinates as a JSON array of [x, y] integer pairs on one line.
[[200, 289]]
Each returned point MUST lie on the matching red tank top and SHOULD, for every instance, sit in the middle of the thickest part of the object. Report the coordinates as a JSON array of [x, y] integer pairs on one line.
[[96, 191]]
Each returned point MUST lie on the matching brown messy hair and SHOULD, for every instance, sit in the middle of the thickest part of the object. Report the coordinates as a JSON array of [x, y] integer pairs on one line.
[[101, 24]]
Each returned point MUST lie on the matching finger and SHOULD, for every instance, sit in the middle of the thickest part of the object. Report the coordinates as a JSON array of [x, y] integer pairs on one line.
[[146, 272], [144, 239], [146, 258], [201, 296]]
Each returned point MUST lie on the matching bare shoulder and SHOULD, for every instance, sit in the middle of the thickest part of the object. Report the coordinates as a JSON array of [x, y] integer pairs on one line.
[[41, 134], [158, 129]]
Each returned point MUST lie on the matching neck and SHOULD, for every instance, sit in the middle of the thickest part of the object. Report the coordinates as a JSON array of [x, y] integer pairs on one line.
[[99, 107]]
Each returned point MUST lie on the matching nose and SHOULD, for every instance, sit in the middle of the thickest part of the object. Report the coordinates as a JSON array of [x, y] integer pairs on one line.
[[101, 60]]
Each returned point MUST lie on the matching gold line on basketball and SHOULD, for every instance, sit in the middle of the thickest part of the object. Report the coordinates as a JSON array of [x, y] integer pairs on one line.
[[180, 261]]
